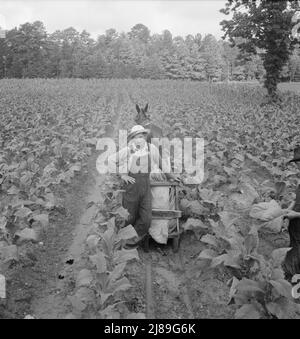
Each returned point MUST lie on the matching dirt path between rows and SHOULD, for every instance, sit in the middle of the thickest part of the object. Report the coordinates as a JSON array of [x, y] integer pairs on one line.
[[54, 303]]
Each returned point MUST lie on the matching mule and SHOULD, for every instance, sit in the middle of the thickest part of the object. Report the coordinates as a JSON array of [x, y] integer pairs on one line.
[[143, 118]]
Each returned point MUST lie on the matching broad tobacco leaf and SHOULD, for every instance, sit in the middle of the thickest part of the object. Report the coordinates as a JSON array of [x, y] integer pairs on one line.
[[278, 308], [92, 241], [117, 272], [85, 295], [2, 287], [111, 225], [246, 198], [278, 256], [109, 312], [209, 196], [208, 254], [282, 287], [290, 173], [125, 255], [104, 296], [193, 206], [91, 141], [19, 203], [27, 234], [23, 212], [247, 311], [13, 191], [247, 285], [275, 225], [233, 289], [229, 171], [50, 201], [99, 261], [66, 177], [8, 253], [228, 220], [42, 218], [239, 157], [118, 196], [127, 233], [280, 187], [193, 223], [277, 274], [75, 168], [3, 222], [237, 243], [218, 180], [84, 278], [266, 211], [26, 179], [210, 239], [49, 170], [108, 238], [121, 284], [214, 224], [77, 304], [251, 241], [190, 180], [227, 260]]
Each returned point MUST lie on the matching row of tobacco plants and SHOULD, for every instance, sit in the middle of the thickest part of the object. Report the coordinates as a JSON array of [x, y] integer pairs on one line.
[[100, 287]]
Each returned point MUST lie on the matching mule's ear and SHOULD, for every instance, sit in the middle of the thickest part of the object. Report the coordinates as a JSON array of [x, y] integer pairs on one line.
[[137, 107], [146, 108]]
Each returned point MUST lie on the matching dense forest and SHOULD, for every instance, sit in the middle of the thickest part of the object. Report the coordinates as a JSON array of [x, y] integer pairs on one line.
[[29, 51]]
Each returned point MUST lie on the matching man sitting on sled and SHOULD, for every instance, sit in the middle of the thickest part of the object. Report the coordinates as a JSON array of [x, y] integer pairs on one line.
[[142, 158]]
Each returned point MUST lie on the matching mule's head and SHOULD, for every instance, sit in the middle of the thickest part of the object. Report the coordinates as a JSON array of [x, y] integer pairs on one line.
[[142, 116]]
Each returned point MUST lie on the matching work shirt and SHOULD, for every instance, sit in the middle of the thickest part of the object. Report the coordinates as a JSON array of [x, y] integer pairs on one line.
[[144, 160]]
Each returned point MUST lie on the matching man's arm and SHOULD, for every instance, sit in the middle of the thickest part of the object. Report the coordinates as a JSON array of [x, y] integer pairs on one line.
[[292, 215], [119, 161]]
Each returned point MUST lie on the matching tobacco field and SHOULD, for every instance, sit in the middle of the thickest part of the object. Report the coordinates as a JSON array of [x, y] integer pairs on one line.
[[61, 237]]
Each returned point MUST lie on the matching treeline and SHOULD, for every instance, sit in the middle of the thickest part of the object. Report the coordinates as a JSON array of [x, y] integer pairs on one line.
[[29, 51]]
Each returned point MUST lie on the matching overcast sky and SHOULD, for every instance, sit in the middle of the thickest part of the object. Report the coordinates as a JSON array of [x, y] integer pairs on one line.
[[96, 16]]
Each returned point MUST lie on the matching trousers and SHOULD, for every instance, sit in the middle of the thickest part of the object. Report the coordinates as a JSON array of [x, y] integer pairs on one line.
[[137, 200], [291, 263]]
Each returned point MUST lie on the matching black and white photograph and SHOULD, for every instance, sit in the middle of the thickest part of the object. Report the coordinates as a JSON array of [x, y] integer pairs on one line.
[[149, 162]]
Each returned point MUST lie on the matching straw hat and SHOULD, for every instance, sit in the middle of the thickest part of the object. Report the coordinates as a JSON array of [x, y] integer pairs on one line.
[[137, 129]]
